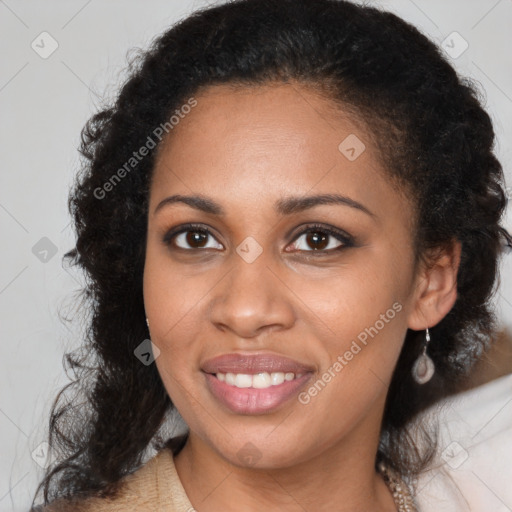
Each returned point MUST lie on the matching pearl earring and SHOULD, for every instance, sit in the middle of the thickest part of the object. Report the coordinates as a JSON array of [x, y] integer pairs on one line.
[[147, 321], [423, 367]]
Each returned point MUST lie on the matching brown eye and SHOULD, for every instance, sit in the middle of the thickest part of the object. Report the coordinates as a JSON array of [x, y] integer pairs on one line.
[[196, 239], [317, 240], [190, 238], [322, 240]]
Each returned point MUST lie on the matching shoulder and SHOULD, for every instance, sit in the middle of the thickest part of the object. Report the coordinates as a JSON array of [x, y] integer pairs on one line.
[[474, 433], [140, 490]]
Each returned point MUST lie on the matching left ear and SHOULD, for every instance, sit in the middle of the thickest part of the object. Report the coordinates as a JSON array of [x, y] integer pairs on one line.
[[436, 287]]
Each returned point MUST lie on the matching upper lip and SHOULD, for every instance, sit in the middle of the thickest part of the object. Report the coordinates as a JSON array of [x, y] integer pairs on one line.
[[254, 363]]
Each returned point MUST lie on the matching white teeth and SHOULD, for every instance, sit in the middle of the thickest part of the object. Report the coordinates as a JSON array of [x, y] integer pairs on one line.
[[243, 380], [277, 378], [259, 380]]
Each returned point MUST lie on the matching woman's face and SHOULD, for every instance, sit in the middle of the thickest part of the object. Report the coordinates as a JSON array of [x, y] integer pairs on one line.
[[279, 317]]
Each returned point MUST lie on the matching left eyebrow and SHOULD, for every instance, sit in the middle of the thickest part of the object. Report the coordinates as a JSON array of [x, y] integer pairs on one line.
[[291, 205], [284, 206]]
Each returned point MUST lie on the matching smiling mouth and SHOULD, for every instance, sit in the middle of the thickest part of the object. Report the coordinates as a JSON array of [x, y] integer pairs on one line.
[[261, 380], [255, 394], [255, 383]]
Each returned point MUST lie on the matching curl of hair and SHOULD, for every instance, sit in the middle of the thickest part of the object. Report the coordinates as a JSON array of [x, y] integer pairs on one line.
[[432, 133]]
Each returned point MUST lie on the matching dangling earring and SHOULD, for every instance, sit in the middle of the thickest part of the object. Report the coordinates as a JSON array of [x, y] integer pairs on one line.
[[147, 321], [423, 367]]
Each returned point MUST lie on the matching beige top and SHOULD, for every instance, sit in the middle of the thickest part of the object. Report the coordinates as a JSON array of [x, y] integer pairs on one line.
[[154, 487], [471, 472]]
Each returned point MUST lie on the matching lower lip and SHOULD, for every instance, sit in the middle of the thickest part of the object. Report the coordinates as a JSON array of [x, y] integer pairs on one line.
[[252, 400]]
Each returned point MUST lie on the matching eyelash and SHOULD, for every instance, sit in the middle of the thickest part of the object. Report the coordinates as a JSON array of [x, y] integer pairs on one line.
[[344, 238]]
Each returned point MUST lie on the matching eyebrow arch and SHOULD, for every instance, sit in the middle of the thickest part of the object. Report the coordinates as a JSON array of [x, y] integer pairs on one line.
[[290, 205], [285, 206]]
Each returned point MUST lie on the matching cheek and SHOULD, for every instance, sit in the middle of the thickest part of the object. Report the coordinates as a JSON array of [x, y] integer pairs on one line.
[[353, 296], [172, 295], [358, 340], [359, 319], [171, 300]]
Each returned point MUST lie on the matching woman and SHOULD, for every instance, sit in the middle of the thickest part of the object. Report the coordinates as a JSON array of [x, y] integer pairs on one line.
[[297, 202]]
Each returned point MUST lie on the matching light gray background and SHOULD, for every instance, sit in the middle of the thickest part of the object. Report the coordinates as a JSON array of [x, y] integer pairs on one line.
[[44, 104]]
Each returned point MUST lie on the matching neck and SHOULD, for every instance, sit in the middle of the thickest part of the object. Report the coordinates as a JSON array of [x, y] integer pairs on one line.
[[340, 477]]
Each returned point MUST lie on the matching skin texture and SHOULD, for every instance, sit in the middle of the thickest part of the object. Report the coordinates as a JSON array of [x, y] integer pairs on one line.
[[246, 149]]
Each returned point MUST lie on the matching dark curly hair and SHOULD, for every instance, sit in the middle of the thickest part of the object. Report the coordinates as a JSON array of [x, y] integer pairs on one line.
[[433, 136]]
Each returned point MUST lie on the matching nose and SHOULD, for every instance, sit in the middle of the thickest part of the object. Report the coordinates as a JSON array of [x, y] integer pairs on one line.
[[252, 299]]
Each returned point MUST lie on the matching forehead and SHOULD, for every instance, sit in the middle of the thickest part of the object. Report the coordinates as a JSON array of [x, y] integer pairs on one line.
[[265, 122], [259, 143]]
